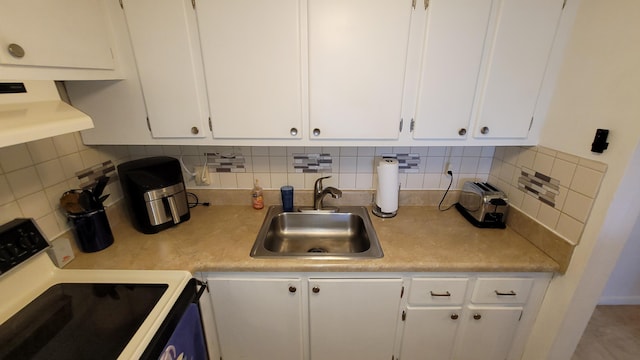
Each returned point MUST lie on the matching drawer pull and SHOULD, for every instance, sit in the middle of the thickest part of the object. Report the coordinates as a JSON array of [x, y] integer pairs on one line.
[[510, 293], [446, 293]]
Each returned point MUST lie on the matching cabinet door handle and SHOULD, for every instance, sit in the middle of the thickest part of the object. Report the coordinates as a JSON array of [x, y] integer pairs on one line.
[[510, 293], [484, 130], [315, 289], [477, 316], [454, 316], [293, 131], [316, 132], [462, 132], [446, 293], [292, 289], [195, 130]]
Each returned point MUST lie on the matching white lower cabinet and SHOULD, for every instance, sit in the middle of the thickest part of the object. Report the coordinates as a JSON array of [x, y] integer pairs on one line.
[[430, 332], [432, 317], [258, 318], [488, 332], [353, 318], [384, 316], [473, 317]]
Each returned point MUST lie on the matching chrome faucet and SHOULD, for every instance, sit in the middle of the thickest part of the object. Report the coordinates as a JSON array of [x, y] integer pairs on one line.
[[319, 193]]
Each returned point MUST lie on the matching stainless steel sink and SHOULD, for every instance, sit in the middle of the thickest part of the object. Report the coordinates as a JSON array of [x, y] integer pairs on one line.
[[345, 234]]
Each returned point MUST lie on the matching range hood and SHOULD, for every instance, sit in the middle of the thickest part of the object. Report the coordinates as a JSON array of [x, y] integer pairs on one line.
[[33, 110]]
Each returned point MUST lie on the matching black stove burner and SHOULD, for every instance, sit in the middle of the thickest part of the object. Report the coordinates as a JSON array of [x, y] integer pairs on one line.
[[79, 321]]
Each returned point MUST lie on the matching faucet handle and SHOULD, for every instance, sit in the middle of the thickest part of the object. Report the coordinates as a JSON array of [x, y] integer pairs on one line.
[[318, 184]]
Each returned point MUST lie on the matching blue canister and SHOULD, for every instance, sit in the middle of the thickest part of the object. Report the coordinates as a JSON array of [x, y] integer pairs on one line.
[[287, 197], [92, 229]]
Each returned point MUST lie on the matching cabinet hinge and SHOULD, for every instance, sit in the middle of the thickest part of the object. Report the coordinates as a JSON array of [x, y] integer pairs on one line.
[[210, 125], [426, 4], [413, 4], [412, 125], [205, 284], [401, 292], [401, 123], [148, 124], [521, 312], [121, 5], [564, 3], [193, 4], [404, 315]]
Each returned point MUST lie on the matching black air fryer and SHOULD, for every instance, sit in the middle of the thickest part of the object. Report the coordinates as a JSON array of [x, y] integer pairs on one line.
[[154, 192]]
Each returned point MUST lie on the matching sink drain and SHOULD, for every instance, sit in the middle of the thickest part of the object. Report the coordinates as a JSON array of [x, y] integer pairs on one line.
[[317, 250]]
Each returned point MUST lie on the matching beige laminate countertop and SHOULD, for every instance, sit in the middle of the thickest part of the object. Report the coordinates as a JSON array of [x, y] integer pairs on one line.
[[418, 239]]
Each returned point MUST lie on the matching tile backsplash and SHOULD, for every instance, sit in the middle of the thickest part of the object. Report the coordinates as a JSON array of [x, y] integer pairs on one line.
[[555, 188], [33, 177], [351, 168]]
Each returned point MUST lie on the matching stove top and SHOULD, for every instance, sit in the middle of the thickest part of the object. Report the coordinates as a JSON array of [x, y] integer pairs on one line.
[[50, 309]]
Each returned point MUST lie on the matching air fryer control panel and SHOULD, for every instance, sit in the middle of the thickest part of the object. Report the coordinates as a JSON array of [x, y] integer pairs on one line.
[[19, 240]]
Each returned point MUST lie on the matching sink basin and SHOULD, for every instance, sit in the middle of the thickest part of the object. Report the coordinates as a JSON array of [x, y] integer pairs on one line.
[[345, 234]]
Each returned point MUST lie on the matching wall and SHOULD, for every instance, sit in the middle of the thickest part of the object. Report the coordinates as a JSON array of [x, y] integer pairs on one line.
[[623, 287], [555, 188], [34, 176], [597, 88], [352, 168]]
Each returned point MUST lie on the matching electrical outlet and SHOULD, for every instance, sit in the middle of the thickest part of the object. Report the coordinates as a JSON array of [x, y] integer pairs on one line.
[[448, 169], [202, 176]]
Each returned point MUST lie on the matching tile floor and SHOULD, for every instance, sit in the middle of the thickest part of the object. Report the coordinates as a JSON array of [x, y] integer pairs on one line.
[[613, 333]]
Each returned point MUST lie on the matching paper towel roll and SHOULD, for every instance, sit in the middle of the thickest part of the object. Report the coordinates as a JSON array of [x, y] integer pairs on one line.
[[387, 191]]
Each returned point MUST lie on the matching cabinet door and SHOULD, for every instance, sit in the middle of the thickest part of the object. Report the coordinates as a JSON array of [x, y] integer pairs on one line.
[[516, 59], [452, 53], [258, 318], [166, 46], [353, 318], [357, 56], [488, 332], [251, 50], [61, 33], [429, 332]]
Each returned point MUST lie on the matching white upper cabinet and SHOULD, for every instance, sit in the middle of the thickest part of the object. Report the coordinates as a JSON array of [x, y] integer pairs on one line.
[[165, 42], [310, 72], [452, 52], [519, 42], [357, 53], [252, 59], [58, 36]]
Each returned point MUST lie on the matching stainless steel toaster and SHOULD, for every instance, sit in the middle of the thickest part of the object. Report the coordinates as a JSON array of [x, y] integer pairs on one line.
[[483, 205]]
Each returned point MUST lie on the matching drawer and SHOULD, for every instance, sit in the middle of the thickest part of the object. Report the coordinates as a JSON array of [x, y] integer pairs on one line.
[[502, 291], [445, 291]]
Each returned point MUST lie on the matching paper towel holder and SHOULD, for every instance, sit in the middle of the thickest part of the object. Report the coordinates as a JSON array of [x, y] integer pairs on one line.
[[377, 211]]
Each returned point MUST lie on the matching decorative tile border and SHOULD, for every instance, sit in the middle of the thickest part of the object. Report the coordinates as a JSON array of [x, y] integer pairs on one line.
[[89, 176], [407, 163], [540, 186], [312, 163], [225, 163]]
